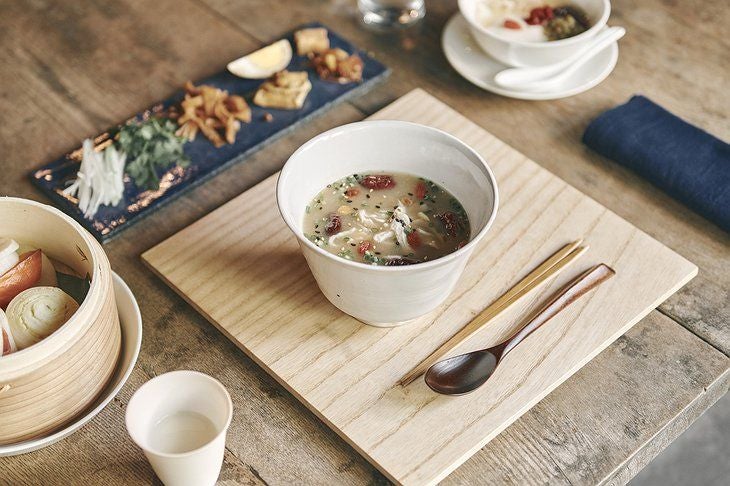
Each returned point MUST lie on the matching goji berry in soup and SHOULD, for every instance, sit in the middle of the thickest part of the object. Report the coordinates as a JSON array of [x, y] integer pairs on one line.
[[334, 224], [377, 181]]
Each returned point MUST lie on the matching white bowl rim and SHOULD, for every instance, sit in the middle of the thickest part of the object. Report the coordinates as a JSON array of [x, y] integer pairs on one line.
[[382, 268], [598, 25]]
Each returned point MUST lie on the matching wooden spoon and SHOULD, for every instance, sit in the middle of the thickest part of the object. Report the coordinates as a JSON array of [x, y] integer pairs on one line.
[[467, 372]]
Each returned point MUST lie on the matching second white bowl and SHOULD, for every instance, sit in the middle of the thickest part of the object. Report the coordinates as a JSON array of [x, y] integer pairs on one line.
[[378, 295], [522, 53]]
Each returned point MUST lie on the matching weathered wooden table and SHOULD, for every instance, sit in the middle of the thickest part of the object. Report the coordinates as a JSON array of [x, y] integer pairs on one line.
[[71, 69]]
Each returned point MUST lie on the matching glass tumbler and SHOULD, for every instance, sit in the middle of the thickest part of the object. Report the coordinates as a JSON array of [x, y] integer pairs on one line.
[[391, 13]]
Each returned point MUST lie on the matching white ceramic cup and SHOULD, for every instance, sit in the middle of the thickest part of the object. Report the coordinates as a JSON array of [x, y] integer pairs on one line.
[[522, 53], [169, 395], [380, 295]]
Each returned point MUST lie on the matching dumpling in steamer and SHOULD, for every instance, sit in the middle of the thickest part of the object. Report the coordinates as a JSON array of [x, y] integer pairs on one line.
[[38, 312]]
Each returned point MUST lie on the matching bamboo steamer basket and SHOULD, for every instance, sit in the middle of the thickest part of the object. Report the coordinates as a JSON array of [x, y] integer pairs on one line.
[[46, 385]]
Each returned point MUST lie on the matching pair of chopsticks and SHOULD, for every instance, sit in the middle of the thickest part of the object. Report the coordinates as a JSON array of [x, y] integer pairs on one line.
[[546, 270]]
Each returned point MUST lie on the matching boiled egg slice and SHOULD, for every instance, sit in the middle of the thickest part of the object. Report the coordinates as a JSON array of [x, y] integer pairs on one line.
[[264, 62]]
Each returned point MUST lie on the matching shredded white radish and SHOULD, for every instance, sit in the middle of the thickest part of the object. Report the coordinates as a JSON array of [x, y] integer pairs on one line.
[[99, 180], [400, 223], [383, 236], [369, 220], [333, 239], [363, 229]]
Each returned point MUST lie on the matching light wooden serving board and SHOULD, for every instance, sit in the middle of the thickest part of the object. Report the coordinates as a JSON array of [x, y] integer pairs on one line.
[[241, 268]]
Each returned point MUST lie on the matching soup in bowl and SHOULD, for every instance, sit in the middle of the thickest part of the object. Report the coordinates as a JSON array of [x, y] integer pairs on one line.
[[386, 219], [366, 259]]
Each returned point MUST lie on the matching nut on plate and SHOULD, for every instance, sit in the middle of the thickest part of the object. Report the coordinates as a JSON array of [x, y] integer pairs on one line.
[[344, 210], [337, 65]]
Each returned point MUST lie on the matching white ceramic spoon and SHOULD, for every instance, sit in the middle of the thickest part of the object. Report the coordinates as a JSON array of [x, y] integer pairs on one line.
[[546, 77]]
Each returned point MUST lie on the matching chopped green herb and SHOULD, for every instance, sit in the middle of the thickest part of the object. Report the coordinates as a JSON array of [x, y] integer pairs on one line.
[[317, 240], [370, 258], [150, 145]]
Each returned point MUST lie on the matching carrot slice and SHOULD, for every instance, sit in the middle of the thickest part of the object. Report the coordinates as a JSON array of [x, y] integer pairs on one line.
[[22, 276]]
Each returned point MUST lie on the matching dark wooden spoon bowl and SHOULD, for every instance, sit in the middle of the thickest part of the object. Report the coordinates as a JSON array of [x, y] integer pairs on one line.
[[467, 372]]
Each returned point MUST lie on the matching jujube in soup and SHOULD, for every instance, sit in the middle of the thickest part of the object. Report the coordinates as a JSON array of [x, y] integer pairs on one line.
[[386, 219]]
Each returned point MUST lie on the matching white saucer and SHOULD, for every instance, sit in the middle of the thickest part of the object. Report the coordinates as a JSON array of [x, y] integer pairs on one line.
[[468, 59], [131, 323]]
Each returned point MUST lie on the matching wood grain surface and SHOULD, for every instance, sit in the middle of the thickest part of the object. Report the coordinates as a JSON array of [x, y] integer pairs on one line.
[[70, 69], [253, 284]]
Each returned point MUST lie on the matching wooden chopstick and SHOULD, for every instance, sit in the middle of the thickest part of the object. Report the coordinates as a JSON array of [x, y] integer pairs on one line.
[[546, 270]]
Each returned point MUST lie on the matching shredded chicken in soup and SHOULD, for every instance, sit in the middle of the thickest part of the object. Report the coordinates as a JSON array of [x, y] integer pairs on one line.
[[386, 219]]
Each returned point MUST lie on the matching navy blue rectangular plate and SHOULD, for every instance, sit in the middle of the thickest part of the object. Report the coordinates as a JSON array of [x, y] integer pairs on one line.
[[205, 159]]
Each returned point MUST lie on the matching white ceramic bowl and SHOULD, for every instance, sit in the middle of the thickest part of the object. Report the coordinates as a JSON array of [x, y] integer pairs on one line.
[[378, 295], [521, 53]]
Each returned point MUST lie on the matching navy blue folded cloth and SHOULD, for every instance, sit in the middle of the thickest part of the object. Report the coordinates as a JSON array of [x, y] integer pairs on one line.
[[688, 163]]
